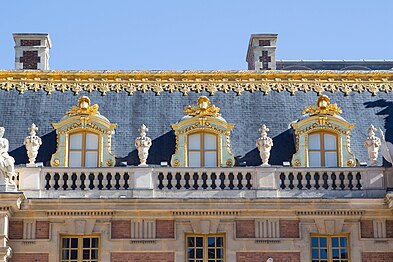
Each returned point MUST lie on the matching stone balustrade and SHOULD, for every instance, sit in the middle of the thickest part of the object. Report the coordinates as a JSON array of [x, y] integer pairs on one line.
[[167, 180]]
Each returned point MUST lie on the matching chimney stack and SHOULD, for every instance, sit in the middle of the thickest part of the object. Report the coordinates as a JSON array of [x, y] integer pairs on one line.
[[32, 51], [261, 53]]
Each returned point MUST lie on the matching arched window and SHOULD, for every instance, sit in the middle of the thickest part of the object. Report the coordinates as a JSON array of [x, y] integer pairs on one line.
[[202, 150], [322, 149], [83, 150]]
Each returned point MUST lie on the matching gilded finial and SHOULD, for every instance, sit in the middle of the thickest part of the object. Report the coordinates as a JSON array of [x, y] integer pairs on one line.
[[204, 108], [83, 108], [322, 107]]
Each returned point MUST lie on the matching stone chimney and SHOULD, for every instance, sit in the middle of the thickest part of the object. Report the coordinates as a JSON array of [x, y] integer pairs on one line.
[[32, 51], [261, 53]]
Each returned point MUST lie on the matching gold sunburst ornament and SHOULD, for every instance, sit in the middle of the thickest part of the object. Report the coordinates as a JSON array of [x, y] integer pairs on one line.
[[83, 108], [204, 108], [322, 107]]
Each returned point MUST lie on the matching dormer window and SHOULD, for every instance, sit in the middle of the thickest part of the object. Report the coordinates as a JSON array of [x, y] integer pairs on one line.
[[323, 137], [203, 137], [84, 137]]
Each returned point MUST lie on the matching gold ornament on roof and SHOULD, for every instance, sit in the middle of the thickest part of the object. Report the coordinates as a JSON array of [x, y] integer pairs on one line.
[[204, 108], [83, 108], [322, 107]]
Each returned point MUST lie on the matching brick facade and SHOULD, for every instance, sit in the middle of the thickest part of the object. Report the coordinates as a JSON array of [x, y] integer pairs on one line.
[[15, 230], [165, 229], [377, 256], [263, 256], [42, 230], [389, 228], [30, 59], [143, 256], [245, 229], [120, 229], [366, 229], [29, 257], [289, 229]]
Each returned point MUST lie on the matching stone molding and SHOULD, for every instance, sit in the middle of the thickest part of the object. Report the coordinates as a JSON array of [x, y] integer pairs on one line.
[[198, 81]]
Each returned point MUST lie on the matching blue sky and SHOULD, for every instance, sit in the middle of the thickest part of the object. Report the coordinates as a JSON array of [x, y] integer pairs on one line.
[[202, 35]]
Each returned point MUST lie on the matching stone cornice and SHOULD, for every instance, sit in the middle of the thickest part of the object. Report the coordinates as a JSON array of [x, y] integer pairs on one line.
[[197, 81]]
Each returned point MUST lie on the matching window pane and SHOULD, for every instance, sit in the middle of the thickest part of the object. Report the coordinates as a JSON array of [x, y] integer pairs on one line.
[[91, 141], [76, 141], [91, 159], [65, 254], [330, 159], [336, 253], [219, 253], [314, 159], [199, 253], [94, 254], [211, 159], [194, 142], [74, 243], [211, 241], [211, 253], [94, 242], [191, 252], [219, 242], [314, 142], [75, 159], [86, 242], [335, 242], [343, 241], [314, 241], [315, 253], [66, 242], [330, 142], [74, 254], [323, 253], [210, 142], [194, 159], [190, 241], [199, 241]]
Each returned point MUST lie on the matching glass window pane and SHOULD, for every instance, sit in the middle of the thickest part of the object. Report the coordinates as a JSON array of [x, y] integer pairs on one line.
[[330, 159], [94, 254], [210, 159], [199, 241], [336, 253], [66, 242], [190, 241], [343, 241], [335, 242], [344, 253], [219, 242], [91, 141], [211, 253], [219, 253], [210, 142], [194, 142], [74, 243], [194, 159], [314, 141], [314, 159], [323, 253], [211, 241], [330, 142], [65, 254], [86, 254], [76, 141], [74, 254], [75, 159], [191, 252], [199, 253], [322, 242], [86, 242], [315, 253], [94, 242], [91, 159]]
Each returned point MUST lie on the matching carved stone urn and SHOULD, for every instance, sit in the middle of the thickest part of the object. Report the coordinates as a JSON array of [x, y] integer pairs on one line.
[[32, 143], [264, 144], [372, 143], [143, 144]]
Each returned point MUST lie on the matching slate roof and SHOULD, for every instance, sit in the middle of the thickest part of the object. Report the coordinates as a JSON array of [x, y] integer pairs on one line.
[[247, 111]]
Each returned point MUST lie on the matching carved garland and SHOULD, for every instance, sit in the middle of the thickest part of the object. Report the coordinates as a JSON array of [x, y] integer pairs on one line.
[[212, 82]]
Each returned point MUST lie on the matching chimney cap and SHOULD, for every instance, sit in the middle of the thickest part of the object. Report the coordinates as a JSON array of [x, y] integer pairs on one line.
[[260, 36], [32, 36]]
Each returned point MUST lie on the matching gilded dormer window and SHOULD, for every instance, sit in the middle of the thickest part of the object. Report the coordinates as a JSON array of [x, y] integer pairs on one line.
[[83, 137], [202, 137], [323, 137]]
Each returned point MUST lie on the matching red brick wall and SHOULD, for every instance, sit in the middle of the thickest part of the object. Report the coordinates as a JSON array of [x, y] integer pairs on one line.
[[120, 229], [377, 256], [42, 230], [143, 256], [30, 42], [30, 257], [289, 229], [245, 228], [263, 256], [165, 229], [366, 229], [389, 228], [15, 229]]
